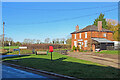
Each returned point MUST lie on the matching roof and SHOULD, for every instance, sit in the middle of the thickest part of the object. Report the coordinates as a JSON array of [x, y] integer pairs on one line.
[[91, 28], [102, 40]]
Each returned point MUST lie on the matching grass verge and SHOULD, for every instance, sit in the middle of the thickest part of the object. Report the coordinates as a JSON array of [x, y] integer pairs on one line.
[[109, 52], [65, 65], [11, 47]]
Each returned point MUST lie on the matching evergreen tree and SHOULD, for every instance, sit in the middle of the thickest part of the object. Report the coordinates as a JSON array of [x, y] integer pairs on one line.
[[101, 18]]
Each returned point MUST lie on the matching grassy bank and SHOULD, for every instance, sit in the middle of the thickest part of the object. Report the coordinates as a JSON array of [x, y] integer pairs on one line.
[[11, 47], [109, 52], [21, 52], [65, 65]]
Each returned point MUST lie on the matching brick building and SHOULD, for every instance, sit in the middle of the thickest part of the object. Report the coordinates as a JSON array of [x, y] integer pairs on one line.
[[92, 37]]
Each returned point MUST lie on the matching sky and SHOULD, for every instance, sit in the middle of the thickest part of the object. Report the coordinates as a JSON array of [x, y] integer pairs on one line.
[[40, 20], [60, 0]]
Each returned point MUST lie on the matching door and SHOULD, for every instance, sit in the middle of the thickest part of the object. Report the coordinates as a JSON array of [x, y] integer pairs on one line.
[[80, 44]]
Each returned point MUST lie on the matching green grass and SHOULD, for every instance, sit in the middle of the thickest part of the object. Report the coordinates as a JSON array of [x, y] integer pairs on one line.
[[109, 52], [11, 47], [65, 65], [21, 52]]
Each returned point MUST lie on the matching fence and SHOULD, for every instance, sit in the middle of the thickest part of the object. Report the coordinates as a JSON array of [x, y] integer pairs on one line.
[[113, 47]]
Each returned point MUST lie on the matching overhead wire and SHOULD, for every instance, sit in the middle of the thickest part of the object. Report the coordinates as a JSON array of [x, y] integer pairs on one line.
[[66, 19]]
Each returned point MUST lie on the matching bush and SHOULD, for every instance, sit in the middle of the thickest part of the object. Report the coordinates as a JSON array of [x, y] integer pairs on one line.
[[78, 48], [74, 48], [81, 50]]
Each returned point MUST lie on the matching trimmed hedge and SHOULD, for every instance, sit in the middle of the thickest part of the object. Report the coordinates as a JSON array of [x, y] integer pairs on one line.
[[46, 46]]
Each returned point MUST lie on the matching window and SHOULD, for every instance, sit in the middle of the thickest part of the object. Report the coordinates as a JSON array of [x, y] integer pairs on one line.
[[75, 36], [85, 43], [82, 43], [75, 43], [80, 35], [85, 34], [104, 34]]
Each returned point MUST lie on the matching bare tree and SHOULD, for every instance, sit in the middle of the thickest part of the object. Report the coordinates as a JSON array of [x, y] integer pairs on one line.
[[57, 40], [68, 41], [25, 41], [47, 40], [10, 39], [38, 41], [33, 41]]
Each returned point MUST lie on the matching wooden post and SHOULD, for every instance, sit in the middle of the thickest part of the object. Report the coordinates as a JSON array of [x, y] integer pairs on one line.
[[93, 47], [3, 35]]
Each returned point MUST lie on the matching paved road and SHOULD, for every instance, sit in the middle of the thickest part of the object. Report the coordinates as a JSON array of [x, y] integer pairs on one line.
[[3, 56], [9, 72]]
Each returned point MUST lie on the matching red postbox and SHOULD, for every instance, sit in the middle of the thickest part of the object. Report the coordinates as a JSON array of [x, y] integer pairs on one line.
[[50, 48]]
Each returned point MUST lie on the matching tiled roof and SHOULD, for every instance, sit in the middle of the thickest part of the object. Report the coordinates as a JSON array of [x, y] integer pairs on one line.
[[91, 28]]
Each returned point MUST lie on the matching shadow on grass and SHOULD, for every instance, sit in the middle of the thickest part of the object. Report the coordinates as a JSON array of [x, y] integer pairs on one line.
[[5, 53], [60, 59], [16, 56], [78, 70]]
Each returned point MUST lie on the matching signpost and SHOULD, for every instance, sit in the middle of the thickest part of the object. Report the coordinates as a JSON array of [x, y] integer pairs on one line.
[[9, 47], [17, 50], [51, 50]]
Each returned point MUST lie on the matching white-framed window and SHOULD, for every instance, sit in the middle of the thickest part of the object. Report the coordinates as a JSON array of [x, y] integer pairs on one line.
[[104, 34], [85, 34], [75, 36], [82, 43], [75, 43], [85, 43], [80, 35]]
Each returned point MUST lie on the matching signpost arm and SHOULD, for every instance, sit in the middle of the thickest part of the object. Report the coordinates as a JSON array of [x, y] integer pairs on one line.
[[19, 52]]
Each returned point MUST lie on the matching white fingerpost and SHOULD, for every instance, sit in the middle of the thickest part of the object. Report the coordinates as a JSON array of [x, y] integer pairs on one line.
[[9, 47]]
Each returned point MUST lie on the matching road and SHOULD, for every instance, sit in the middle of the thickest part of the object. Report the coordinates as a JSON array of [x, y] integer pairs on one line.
[[10, 72]]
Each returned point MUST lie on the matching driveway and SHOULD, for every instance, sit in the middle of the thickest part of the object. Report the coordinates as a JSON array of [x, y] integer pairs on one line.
[[98, 58], [10, 72]]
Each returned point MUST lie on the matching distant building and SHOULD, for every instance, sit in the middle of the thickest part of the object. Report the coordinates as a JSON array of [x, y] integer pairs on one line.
[[92, 37]]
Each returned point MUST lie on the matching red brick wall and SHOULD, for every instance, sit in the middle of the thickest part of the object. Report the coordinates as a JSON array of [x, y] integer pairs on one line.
[[96, 34]]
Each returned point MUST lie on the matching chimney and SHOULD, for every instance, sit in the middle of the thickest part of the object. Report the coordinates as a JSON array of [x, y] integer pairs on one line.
[[99, 25], [77, 28]]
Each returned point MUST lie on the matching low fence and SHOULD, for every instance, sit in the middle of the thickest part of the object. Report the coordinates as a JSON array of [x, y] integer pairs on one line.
[[113, 47], [46, 46], [63, 51]]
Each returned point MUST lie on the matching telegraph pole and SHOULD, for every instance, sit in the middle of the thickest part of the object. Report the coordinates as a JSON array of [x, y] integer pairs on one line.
[[3, 34]]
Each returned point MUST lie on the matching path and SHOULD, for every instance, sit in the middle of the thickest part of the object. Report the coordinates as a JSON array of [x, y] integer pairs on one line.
[[98, 58]]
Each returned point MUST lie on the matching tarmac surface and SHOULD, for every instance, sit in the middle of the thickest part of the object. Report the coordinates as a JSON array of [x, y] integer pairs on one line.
[[10, 72]]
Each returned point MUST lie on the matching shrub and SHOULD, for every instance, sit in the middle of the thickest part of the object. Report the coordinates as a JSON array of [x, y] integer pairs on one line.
[[74, 48], [81, 50], [78, 48]]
